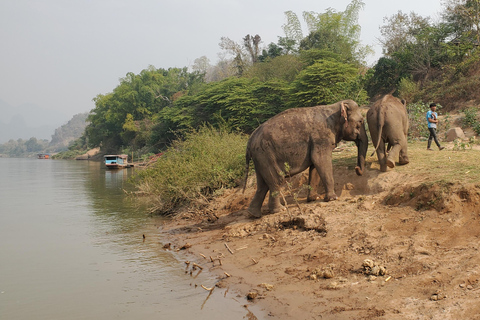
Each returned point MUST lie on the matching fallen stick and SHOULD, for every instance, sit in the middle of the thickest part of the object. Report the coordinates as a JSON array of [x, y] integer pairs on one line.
[[284, 251], [228, 248], [244, 247], [254, 261], [208, 289], [203, 256], [196, 265], [228, 276]]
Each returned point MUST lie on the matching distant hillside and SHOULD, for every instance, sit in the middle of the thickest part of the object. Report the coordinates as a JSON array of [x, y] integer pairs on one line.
[[69, 132], [27, 120]]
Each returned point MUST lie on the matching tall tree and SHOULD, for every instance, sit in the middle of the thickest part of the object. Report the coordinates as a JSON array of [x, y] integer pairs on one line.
[[464, 17], [338, 32]]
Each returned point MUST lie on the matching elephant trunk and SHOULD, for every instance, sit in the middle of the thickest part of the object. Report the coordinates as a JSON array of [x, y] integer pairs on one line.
[[362, 146]]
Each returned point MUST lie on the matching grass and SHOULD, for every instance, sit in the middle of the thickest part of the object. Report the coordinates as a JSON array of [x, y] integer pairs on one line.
[[206, 161], [434, 166]]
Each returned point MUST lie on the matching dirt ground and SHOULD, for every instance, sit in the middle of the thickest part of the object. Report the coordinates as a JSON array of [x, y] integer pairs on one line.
[[391, 247]]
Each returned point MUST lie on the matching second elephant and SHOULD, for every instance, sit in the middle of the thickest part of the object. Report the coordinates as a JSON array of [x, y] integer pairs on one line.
[[388, 124]]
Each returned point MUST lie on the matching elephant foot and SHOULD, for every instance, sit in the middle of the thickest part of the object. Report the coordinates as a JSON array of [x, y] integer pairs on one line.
[[358, 171], [390, 163], [403, 162], [255, 212], [330, 197], [383, 168], [313, 197], [277, 209]]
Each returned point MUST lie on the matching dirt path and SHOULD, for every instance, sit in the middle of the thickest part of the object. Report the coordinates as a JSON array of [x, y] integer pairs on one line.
[[391, 247]]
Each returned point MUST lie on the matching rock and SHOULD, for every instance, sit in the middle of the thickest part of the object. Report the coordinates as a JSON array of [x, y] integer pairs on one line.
[[268, 287], [252, 295], [370, 267], [455, 133]]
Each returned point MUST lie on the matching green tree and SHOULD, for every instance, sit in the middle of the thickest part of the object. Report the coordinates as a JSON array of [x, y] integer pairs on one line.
[[338, 32], [326, 82], [117, 116]]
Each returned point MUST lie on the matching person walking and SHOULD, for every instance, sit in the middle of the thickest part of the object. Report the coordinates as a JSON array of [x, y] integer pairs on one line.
[[432, 119]]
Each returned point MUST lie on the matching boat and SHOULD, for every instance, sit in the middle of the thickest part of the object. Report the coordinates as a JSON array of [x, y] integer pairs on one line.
[[43, 156], [117, 161]]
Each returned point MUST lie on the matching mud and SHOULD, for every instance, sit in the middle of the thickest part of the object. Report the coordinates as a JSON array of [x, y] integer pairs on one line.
[[391, 247]]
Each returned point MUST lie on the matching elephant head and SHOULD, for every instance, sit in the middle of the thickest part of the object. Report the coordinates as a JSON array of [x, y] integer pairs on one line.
[[353, 129]]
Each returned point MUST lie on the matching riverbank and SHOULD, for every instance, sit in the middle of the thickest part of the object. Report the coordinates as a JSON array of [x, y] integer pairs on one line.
[[392, 247]]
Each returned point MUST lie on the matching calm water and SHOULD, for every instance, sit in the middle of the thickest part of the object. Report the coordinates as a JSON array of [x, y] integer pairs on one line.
[[71, 247]]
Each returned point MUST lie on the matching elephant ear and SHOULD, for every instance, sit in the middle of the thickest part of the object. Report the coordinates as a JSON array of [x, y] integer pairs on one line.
[[343, 113]]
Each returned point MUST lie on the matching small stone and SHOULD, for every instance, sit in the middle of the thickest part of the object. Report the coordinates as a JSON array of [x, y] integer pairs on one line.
[[367, 263], [469, 287], [313, 276], [372, 278], [462, 285], [328, 273], [332, 286], [252, 295]]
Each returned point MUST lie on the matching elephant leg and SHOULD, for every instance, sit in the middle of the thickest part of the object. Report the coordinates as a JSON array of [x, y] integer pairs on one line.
[[403, 158], [313, 183], [322, 161], [381, 156], [393, 155], [255, 207], [274, 204]]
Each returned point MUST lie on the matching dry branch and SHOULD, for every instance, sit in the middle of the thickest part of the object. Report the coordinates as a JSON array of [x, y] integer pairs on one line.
[[228, 248]]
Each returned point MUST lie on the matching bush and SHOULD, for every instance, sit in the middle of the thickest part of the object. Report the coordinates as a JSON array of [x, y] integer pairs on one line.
[[207, 160], [417, 119]]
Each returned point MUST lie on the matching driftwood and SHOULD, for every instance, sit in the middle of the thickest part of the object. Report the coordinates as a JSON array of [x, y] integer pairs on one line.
[[228, 248]]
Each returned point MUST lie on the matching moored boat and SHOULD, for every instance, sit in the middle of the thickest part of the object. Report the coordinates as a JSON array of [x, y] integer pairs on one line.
[[116, 161]]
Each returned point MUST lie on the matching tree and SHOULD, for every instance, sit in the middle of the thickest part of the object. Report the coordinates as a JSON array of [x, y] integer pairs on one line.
[[326, 82], [117, 116], [464, 18], [338, 32], [243, 55]]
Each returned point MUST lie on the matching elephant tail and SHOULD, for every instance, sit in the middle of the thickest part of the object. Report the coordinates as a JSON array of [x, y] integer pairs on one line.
[[248, 157], [380, 122]]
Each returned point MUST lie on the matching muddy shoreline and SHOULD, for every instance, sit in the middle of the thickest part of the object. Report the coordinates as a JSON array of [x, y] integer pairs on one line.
[[310, 262]]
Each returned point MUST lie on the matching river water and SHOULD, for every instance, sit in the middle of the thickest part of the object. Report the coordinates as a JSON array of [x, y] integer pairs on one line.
[[72, 247]]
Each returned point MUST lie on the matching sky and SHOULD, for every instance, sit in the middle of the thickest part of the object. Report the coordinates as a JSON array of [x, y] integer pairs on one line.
[[57, 55]]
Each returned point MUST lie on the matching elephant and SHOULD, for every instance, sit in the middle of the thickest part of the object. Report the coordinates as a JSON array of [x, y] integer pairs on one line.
[[388, 123], [301, 138]]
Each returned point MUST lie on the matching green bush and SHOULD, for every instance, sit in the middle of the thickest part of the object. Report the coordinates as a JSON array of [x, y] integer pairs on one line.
[[417, 120], [205, 161]]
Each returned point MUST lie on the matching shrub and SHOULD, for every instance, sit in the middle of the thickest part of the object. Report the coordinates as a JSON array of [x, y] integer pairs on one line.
[[205, 161]]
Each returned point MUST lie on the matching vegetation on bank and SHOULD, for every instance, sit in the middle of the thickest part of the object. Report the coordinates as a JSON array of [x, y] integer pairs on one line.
[[194, 168]]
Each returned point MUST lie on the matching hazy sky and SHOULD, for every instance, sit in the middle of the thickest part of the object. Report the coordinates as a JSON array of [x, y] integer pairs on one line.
[[59, 54]]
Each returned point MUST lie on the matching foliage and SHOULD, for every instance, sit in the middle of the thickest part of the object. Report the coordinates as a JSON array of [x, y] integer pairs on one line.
[[68, 154], [418, 126], [460, 145], [408, 89], [243, 103], [281, 68], [326, 82], [113, 121], [338, 32], [69, 132], [471, 119], [207, 160], [23, 148]]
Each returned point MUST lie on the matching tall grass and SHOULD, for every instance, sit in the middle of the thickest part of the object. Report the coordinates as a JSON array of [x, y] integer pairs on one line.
[[206, 160]]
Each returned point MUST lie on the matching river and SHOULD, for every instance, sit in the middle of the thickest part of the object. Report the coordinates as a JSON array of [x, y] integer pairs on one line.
[[72, 247]]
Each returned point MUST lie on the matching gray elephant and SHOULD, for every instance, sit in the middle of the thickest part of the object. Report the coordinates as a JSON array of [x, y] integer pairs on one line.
[[388, 123], [302, 138]]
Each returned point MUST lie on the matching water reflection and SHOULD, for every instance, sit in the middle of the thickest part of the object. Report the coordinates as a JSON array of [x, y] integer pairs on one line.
[[72, 247]]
